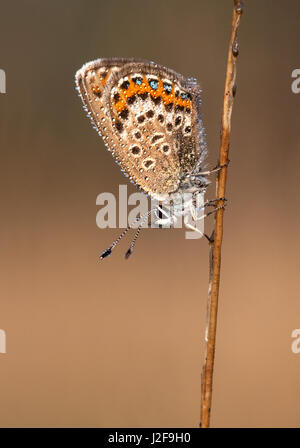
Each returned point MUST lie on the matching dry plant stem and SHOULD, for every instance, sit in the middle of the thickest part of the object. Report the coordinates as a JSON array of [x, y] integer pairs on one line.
[[216, 240]]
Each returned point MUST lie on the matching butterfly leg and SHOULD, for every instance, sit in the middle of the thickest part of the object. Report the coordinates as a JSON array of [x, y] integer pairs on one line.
[[211, 203], [216, 169], [189, 225], [215, 210], [194, 212]]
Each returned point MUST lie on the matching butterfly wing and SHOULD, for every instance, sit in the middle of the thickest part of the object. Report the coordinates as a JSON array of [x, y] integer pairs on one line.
[[149, 118]]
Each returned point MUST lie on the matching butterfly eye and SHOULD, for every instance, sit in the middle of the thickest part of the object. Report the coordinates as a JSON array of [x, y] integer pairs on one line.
[[183, 96], [137, 81], [168, 88], [153, 84]]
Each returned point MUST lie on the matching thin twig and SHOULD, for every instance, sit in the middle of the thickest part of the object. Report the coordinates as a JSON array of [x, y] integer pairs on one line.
[[216, 239]]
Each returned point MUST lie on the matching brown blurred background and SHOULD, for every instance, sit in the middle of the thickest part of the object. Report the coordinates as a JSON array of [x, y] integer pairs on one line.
[[120, 343]]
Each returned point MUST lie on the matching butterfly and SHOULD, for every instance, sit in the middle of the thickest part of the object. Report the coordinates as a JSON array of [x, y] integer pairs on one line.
[[149, 118]]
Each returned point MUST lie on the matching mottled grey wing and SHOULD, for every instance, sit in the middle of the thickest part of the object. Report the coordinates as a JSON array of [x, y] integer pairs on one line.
[[148, 117]]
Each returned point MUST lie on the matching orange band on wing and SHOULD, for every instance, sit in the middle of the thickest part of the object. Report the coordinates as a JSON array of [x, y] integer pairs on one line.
[[144, 87]]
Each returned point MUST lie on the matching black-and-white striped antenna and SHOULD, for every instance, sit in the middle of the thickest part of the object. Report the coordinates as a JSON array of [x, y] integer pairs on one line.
[[142, 219]]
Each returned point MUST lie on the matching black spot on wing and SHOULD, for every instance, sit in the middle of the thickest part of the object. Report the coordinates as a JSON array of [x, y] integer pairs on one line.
[[125, 85], [177, 121], [169, 107], [124, 114], [143, 96], [135, 150], [156, 100], [150, 114], [157, 137], [131, 100], [179, 108], [141, 119], [116, 97], [119, 126]]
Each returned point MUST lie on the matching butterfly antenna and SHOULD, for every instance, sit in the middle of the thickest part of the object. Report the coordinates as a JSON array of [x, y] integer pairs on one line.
[[108, 251], [141, 220], [131, 247], [144, 219]]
